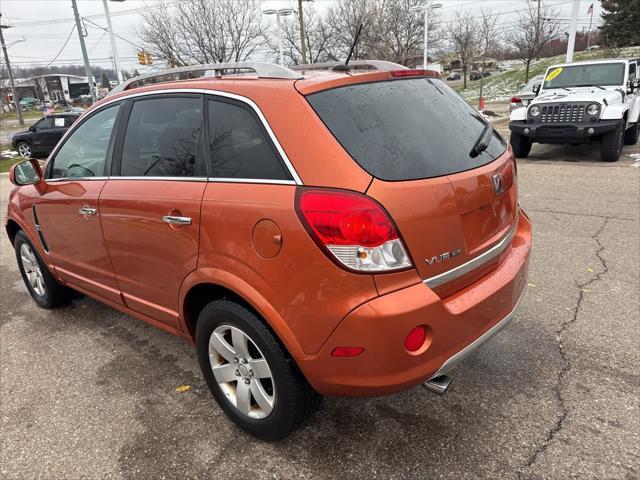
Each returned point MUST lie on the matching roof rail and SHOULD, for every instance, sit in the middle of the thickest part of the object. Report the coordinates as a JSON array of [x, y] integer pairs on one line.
[[382, 65], [263, 70]]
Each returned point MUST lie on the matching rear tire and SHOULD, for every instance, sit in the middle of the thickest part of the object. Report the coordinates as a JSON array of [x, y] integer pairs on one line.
[[611, 145], [43, 288], [632, 134], [259, 387], [521, 145]]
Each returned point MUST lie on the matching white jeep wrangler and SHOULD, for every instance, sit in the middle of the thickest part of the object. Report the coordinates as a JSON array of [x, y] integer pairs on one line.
[[582, 102]]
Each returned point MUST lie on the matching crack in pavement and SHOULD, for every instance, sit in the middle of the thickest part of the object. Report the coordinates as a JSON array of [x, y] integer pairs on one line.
[[566, 368], [595, 215]]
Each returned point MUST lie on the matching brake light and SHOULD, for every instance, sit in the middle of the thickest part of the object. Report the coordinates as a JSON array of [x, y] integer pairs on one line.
[[516, 100], [353, 229], [414, 72]]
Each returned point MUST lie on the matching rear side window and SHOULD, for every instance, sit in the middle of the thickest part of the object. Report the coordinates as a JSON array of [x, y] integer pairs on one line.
[[84, 153], [405, 129], [161, 139], [239, 145]]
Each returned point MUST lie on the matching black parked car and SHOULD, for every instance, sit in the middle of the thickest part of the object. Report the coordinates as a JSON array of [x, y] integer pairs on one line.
[[477, 75], [454, 76], [43, 135]]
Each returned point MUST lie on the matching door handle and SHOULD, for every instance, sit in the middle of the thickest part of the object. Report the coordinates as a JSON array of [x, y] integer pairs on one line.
[[87, 211], [173, 220]]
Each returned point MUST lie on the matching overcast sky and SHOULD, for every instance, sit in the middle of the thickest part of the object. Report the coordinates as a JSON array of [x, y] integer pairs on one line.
[[45, 25]]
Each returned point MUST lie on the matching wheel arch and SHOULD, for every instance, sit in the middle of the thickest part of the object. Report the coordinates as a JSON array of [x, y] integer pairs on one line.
[[205, 285], [12, 228]]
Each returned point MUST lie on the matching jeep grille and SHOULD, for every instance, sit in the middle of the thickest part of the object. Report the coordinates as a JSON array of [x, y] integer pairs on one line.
[[565, 113]]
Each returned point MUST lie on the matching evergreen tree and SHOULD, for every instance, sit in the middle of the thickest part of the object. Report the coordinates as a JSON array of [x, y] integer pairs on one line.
[[621, 23], [104, 80]]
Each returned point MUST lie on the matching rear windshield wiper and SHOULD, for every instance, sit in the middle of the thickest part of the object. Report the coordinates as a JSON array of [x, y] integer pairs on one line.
[[483, 141]]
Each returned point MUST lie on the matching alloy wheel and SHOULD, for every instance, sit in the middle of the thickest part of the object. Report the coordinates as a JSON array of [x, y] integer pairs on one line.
[[24, 150], [32, 269], [242, 372]]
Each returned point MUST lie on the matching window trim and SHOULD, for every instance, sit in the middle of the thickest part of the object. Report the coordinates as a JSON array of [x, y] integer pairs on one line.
[[276, 152], [116, 164], [206, 91], [74, 126]]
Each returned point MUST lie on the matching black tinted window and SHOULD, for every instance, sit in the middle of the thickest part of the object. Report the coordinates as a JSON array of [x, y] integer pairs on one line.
[[161, 139], [239, 146], [44, 123], [84, 153], [405, 129]]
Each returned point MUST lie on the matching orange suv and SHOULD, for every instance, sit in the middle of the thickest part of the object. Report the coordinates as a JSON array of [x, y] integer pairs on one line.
[[322, 231]]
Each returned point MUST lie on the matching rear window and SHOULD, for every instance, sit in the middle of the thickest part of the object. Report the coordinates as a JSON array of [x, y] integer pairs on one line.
[[405, 129]]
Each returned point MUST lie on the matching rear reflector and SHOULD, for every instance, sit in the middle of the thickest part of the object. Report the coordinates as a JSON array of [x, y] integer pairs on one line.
[[415, 338], [352, 228], [347, 351]]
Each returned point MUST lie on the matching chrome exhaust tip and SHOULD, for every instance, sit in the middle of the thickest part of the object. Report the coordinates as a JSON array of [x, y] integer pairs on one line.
[[438, 385]]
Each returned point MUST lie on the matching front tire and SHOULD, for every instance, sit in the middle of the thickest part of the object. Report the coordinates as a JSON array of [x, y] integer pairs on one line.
[[43, 288], [521, 145], [611, 144], [250, 374], [632, 134], [24, 150]]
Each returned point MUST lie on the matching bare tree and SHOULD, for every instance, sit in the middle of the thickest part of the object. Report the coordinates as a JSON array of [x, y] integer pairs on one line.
[[203, 31], [318, 33], [463, 35], [533, 30], [399, 31], [487, 42], [346, 16]]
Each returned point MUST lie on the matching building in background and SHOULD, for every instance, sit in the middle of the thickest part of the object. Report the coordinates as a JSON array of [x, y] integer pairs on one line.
[[53, 87]]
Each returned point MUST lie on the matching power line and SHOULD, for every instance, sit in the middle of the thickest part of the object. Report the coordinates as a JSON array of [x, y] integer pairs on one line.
[[63, 46]]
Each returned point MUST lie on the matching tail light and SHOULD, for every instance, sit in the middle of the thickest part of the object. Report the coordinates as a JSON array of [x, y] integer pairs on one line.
[[516, 100], [352, 229]]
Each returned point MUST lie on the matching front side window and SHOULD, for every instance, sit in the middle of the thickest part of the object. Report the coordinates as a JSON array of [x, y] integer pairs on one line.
[[44, 124], [632, 71], [239, 146], [161, 139], [84, 153]]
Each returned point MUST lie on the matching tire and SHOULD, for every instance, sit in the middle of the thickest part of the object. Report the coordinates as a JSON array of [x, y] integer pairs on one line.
[[43, 288], [287, 399], [521, 145], [632, 134], [24, 150], [611, 144]]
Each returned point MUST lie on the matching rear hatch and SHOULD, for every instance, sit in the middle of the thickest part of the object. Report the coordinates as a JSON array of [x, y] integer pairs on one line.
[[415, 137]]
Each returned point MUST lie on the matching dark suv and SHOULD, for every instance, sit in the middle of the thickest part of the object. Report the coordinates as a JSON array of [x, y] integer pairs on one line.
[[43, 135]]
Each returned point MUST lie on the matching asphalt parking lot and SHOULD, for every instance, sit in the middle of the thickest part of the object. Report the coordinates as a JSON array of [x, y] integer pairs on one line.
[[87, 392]]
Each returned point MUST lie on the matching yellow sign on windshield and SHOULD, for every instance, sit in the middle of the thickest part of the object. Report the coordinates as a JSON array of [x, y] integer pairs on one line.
[[553, 74]]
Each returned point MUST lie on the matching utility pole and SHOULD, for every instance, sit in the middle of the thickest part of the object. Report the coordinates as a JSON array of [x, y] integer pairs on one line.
[[303, 43], [13, 85], [572, 32], [83, 47], [114, 52]]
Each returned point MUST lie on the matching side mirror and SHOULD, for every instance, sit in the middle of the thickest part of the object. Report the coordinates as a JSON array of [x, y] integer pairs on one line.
[[632, 86], [26, 172], [32, 128], [536, 88]]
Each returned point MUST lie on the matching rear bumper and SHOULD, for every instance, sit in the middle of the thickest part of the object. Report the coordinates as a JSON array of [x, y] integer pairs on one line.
[[563, 133], [457, 326]]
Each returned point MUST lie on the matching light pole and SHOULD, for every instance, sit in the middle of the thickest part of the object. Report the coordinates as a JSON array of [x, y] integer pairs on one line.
[[83, 47], [114, 52], [426, 6], [279, 12], [572, 31], [13, 85]]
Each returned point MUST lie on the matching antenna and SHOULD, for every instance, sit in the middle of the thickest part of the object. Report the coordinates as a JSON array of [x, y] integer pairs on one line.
[[345, 67]]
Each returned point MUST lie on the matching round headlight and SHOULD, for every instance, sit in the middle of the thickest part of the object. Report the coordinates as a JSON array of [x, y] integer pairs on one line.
[[534, 111], [593, 109]]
